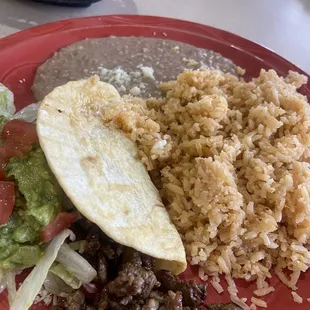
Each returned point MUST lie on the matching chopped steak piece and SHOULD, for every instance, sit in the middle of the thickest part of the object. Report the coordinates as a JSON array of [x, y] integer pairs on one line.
[[135, 259], [65, 305], [126, 281], [151, 304], [61, 304], [193, 293], [125, 300], [103, 300], [230, 306], [131, 256], [112, 251], [159, 296], [118, 251], [133, 280], [102, 268], [148, 262], [114, 305], [76, 301], [106, 302], [85, 225], [108, 251], [168, 280], [174, 301], [93, 243], [113, 254]]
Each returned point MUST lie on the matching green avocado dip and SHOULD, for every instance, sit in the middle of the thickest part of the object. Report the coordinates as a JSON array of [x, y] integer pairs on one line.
[[38, 201]]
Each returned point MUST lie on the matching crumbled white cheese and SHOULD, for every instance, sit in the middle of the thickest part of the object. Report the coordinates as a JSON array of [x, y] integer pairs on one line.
[[190, 62], [136, 74], [148, 72], [44, 296], [176, 48], [135, 91], [159, 145], [127, 81], [117, 76]]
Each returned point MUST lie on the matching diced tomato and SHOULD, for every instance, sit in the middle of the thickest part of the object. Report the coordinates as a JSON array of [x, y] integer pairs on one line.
[[3, 163], [17, 136], [62, 221], [14, 149], [20, 131], [7, 200]]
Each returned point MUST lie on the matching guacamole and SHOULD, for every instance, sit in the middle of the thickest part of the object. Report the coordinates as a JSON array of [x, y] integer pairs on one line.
[[38, 201], [3, 121]]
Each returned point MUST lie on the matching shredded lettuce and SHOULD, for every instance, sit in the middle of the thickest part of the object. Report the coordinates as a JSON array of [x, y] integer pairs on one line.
[[7, 107], [78, 246], [2, 281], [11, 286], [76, 264], [60, 271], [56, 286], [28, 113], [31, 286]]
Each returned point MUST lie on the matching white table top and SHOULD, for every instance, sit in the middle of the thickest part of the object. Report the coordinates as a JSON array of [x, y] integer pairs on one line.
[[280, 25]]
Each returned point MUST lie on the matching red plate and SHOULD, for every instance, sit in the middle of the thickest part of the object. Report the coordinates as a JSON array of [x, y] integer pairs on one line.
[[22, 53]]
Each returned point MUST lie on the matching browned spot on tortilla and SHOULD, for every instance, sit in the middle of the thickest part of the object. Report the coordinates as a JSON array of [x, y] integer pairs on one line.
[[89, 159]]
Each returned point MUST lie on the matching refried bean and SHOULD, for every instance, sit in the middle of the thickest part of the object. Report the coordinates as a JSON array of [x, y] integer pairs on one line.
[[132, 64]]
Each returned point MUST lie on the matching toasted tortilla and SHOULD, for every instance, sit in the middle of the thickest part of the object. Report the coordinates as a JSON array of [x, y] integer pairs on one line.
[[99, 169]]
